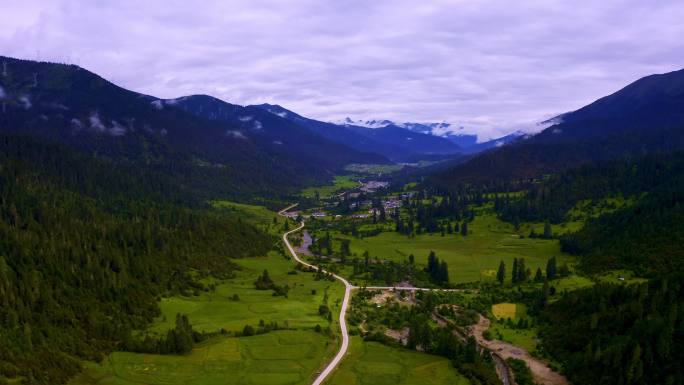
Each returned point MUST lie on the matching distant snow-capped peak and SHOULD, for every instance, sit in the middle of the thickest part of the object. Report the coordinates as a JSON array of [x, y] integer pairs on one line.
[[373, 123], [437, 129]]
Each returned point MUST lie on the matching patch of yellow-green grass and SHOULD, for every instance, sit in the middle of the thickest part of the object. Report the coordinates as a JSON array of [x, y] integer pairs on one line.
[[283, 357], [371, 363], [508, 310], [471, 258], [213, 311], [340, 183]]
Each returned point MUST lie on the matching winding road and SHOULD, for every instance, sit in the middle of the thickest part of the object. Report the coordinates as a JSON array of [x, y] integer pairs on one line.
[[497, 352], [343, 311]]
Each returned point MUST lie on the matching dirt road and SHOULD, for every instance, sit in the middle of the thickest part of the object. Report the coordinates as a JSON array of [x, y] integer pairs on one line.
[[542, 374]]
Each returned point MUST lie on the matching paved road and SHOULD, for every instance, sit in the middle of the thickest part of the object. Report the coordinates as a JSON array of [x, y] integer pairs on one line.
[[345, 304], [343, 311]]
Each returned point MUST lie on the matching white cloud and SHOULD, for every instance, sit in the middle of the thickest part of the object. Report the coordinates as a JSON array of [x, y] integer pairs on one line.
[[25, 101], [245, 118], [96, 123], [236, 134], [258, 125], [117, 129], [158, 104], [457, 61]]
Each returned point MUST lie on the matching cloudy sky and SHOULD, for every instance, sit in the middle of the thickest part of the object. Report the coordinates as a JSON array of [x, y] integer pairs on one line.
[[490, 65]]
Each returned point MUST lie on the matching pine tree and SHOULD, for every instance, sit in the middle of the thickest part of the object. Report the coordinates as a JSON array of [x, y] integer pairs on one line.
[[443, 273], [538, 275], [545, 294], [514, 272], [501, 273], [564, 270], [328, 244], [548, 233], [464, 228], [432, 264], [551, 268], [522, 271]]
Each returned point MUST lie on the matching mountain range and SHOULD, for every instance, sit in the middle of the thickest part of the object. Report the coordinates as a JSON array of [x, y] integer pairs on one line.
[[397, 143], [269, 149], [467, 143], [199, 138]]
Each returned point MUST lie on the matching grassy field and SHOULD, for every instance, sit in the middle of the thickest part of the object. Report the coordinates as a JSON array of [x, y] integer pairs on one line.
[[624, 277], [571, 283], [282, 357], [371, 363], [501, 330], [343, 182], [251, 213], [257, 215], [278, 357], [525, 338], [472, 258], [215, 310]]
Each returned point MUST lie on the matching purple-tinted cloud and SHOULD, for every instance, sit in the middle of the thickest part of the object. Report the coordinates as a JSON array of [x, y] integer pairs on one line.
[[490, 65]]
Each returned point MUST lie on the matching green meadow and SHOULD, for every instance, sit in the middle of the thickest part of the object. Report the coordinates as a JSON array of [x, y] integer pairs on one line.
[[212, 311], [257, 215], [278, 357], [371, 363], [340, 183], [474, 257], [525, 338], [283, 357], [501, 330]]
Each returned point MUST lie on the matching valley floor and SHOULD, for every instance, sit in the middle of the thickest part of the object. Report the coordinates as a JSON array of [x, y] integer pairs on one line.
[[372, 363], [287, 357]]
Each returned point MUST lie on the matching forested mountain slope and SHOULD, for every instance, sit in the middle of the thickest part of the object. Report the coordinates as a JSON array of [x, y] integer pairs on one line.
[[644, 235], [619, 335], [86, 250], [644, 117], [242, 156], [280, 135]]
